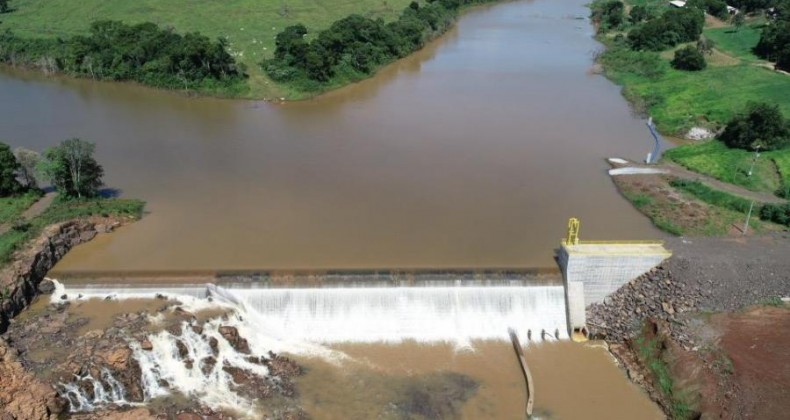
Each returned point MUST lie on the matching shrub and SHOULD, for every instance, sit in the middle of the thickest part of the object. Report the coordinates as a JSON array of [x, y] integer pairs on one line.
[[689, 58], [760, 125], [713, 196], [9, 168], [608, 14], [777, 213], [638, 14], [643, 63], [673, 27]]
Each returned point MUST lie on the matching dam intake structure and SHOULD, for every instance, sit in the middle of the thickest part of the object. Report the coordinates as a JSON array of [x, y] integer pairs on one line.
[[591, 270]]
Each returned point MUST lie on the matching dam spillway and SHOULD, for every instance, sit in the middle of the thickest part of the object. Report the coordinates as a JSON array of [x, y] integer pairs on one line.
[[379, 311]]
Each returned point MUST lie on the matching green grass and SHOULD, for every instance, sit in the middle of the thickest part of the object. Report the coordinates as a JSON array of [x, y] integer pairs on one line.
[[62, 210], [11, 208], [774, 301], [739, 43], [713, 196], [651, 355], [249, 25], [679, 100], [732, 165], [782, 161], [641, 200]]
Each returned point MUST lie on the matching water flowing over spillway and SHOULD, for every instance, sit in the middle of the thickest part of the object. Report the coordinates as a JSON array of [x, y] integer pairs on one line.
[[198, 360], [437, 311]]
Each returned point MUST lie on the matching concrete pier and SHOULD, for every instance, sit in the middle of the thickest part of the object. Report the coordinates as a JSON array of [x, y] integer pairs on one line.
[[601, 268]]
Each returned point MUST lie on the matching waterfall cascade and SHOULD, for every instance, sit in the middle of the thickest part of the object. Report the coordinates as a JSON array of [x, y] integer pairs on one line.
[[300, 321], [457, 311]]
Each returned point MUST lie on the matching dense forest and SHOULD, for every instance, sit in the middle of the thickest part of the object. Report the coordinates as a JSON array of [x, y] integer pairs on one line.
[[143, 53], [355, 46]]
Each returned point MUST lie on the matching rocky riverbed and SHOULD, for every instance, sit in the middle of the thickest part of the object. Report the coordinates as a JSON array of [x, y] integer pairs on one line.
[[57, 359]]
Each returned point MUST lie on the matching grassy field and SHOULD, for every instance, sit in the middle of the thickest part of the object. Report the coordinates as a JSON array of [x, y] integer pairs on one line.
[[679, 100], [738, 43], [62, 210], [248, 25], [771, 170], [13, 207]]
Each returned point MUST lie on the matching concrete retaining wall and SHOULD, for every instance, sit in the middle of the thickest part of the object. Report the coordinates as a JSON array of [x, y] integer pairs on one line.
[[602, 273]]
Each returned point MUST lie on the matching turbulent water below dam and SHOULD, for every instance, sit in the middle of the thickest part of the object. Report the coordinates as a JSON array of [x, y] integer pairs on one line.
[[369, 350]]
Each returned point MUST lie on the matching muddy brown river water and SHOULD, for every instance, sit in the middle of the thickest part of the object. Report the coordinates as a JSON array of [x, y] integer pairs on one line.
[[472, 153], [572, 381]]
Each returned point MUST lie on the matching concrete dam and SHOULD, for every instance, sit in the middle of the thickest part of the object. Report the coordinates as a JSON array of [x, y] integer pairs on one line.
[[425, 306]]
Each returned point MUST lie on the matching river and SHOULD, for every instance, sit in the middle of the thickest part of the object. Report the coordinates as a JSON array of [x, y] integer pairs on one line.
[[471, 153]]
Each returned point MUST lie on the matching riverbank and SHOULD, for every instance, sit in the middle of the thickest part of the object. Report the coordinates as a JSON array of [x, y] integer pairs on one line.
[[680, 330], [60, 355], [32, 249], [250, 39], [681, 100], [696, 105], [100, 358]]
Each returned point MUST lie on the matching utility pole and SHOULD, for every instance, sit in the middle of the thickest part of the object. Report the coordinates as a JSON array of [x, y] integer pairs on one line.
[[754, 160], [748, 216]]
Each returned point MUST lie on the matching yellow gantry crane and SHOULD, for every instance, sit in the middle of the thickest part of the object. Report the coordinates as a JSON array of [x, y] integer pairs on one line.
[[573, 232]]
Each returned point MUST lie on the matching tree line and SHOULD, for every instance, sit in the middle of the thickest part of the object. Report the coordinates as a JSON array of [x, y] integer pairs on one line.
[[654, 31], [355, 46], [70, 167], [774, 44], [144, 53]]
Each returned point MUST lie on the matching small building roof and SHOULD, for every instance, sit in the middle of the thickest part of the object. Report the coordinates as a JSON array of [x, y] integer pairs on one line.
[[678, 3]]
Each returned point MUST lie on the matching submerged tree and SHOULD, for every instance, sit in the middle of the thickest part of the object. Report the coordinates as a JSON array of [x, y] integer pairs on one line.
[[72, 169], [8, 170]]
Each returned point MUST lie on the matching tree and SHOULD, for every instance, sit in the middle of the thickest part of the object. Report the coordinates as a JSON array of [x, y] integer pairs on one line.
[[671, 28], [738, 20], [609, 14], [72, 169], [4, 7], [705, 45], [689, 58], [774, 40], [638, 14], [28, 162], [761, 124], [783, 59], [8, 170]]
